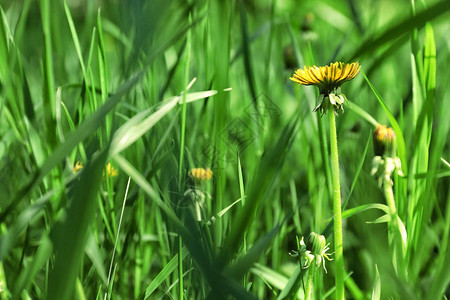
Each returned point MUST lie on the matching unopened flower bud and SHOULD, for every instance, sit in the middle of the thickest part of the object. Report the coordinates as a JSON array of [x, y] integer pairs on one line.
[[315, 250], [384, 141], [316, 242], [78, 166]]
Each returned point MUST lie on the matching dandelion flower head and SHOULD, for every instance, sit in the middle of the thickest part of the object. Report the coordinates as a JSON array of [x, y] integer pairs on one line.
[[329, 80], [200, 174]]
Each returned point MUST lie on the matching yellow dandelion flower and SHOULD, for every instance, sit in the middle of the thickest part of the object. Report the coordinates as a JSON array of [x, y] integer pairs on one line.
[[329, 80], [110, 170], [78, 166], [200, 174]]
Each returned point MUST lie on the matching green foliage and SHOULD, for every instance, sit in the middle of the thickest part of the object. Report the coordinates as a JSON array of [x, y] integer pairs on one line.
[[159, 87]]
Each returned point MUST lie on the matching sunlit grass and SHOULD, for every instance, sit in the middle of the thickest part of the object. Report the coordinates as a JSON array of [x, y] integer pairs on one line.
[[158, 89]]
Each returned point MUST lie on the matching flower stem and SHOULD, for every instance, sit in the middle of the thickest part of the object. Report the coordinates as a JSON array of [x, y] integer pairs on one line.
[[389, 194], [309, 281], [180, 268], [395, 235], [338, 245]]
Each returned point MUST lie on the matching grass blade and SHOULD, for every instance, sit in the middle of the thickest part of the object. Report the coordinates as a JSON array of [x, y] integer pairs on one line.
[[69, 235], [140, 124], [376, 292], [168, 269], [243, 264], [400, 140], [49, 80], [292, 285], [260, 187], [8, 240], [404, 27], [27, 276]]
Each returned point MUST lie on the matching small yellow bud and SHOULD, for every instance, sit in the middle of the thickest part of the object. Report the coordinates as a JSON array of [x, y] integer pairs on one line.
[[200, 174], [111, 171], [384, 141], [78, 166]]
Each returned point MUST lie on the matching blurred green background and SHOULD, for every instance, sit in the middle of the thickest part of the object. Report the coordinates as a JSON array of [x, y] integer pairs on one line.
[[100, 82]]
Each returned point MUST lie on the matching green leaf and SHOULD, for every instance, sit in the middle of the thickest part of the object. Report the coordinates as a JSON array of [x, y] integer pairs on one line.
[[140, 180], [292, 285], [27, 275], [371, 44], [398, 133], [70, 232], [163, 274], [362, 113], [376, 291], [140, 124], [75, 39], [93, 252], [9, 239], [268, 169], [243, 264], [353, 211], [274, 278], [383, 219]]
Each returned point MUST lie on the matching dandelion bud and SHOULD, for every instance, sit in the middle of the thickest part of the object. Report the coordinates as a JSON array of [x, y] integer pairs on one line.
[[290, 60], [78, 166], [384, 141], [385, 162], [315, 250], [111, 171], [316, 242]]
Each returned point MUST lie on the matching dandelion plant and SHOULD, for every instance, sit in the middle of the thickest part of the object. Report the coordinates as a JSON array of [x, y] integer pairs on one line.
[[329, 80]]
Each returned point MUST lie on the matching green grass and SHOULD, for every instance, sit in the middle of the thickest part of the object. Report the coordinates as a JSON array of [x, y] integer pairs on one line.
[[160, 87]]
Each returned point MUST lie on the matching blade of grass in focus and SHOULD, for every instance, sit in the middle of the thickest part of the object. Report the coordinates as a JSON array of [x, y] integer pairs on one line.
[[69, 234]]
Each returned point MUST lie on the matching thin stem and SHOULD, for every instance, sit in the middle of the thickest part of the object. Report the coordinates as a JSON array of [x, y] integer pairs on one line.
[[389, 194], [180, 165], [310, 279], [183, 107], [108, 287], [338, 244], [180, 268], [4, 293], [398, 249]]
